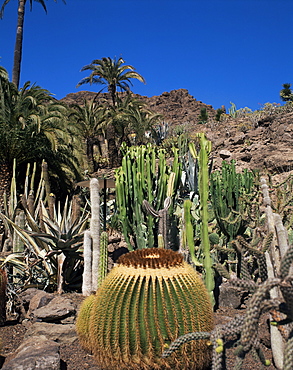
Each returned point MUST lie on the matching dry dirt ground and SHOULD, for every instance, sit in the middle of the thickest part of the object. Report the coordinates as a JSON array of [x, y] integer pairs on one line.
[[75, 358]]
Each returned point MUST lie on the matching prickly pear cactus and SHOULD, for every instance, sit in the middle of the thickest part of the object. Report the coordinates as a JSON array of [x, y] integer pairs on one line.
[[149, 298]]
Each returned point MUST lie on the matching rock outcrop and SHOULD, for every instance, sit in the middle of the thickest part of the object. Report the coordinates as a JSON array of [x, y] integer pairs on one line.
[[49, 320], [257, 141]]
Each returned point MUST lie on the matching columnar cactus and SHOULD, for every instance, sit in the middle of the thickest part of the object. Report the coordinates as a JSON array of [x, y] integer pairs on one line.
[[232, 196], [148, 299], [144, 175]]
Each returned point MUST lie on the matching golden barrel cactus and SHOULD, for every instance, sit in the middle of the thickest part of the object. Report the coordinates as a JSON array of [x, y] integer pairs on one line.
[[150, 298]]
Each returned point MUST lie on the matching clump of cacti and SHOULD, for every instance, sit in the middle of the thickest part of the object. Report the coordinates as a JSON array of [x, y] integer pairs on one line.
[[264, 283], [144, 176], [243, 329], [232, 197], [148, 299]]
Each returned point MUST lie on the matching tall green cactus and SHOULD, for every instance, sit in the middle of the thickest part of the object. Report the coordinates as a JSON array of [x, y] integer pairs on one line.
[[232, 195], [103, 260], [144, 175], [147, 300], [203, 160]]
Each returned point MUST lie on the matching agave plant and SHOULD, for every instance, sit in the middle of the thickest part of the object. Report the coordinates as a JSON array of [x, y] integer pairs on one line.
[[51, 253], [63, 238]]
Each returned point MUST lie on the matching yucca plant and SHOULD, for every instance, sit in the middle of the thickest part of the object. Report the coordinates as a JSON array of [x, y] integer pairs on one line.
[[149, 298]]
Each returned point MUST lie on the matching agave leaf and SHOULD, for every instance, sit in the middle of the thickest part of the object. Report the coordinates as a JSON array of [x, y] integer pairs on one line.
[[80, 227], [44, 215], [27, 240], [14, 259], [53, 227]]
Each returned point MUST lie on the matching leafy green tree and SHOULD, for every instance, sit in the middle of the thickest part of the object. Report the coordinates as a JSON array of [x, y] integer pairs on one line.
[[33, 127], [141, 121], [19, 34], [131, 120], [286, 93], [112, 73], [203, 117], [87, 122]]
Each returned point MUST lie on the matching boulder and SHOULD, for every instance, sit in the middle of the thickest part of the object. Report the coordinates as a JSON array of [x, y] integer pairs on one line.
[[57, 309], [231, 296], [36, 352], [57, 332]]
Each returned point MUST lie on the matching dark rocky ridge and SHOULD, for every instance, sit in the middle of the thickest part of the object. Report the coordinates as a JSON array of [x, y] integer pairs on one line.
[[261, 141], [177, 106]]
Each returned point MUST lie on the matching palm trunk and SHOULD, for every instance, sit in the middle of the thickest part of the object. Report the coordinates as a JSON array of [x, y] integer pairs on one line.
[[90, 153], [18, 43], [113, 153], [5, 183]]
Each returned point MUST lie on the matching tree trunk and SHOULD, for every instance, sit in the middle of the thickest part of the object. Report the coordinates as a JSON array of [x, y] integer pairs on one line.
[[90, 154], [5, 183], [113, 152], [18, 43]]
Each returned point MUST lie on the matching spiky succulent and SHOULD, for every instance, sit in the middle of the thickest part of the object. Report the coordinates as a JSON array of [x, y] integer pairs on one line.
[[150, 298]]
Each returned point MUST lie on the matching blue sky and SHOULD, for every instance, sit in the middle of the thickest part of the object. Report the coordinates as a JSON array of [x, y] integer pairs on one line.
[[219, 50]]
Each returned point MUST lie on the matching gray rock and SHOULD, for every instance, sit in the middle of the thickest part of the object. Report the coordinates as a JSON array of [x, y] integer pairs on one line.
[[57, 309], [231, 296], [224, 154], [36, 352], [40, 299], [57, 332]]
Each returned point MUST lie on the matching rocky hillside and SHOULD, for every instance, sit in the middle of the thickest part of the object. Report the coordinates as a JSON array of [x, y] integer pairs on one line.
[[177, 106], [262, 140]]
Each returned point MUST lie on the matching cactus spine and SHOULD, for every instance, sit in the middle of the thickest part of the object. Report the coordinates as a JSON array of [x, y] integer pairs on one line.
[[147, 300]]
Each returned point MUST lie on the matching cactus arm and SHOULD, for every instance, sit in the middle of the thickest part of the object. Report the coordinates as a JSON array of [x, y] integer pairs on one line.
[[188, 230], [87, 269], [95, 229], [203, 157], [103, 261]]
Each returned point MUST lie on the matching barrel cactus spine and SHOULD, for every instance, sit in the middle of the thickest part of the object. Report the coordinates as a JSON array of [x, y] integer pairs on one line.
[[148, 299], [82, 322]]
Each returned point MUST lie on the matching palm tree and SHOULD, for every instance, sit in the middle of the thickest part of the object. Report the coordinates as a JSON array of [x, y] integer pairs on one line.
[[19, 34], [142, 121], [131, 117], [88, 122], [32, 128], [111, 72], [114, 74], [286, 93]]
